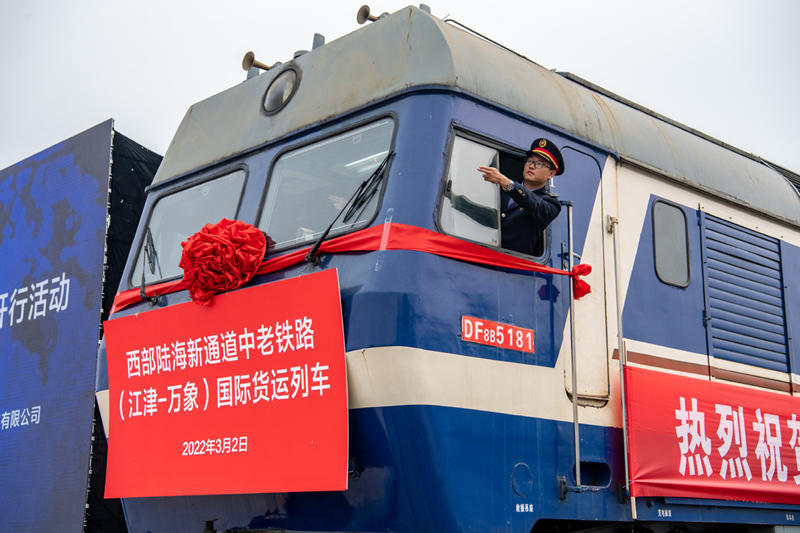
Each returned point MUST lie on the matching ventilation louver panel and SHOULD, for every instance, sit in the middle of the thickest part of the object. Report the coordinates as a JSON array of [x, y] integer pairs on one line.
[[745, 296]]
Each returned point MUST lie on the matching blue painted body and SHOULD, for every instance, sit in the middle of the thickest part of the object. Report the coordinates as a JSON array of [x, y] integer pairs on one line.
[[649, 312], [430, 468], [418, 468], [791, 263]]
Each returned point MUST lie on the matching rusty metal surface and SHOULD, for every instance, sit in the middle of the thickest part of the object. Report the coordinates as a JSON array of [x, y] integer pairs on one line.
[[411, 48]]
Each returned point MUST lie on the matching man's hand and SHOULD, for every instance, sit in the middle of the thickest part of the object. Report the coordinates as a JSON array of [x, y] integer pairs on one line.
[[492, 175]]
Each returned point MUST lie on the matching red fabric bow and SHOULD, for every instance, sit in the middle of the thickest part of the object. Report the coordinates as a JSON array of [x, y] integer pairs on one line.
[[579, 287], [221, 257]]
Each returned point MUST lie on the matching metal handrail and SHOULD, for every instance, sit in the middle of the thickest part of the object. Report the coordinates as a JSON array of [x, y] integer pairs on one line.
[[613, 228], [575, 423]]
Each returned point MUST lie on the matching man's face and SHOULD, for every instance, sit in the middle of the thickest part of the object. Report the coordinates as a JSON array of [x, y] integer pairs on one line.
[[537, 171]]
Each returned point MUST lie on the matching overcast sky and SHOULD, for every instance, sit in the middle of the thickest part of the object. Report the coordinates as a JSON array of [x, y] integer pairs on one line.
[[728, 68]]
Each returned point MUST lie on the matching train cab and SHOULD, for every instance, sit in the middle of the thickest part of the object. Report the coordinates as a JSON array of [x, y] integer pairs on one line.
[[693, 246]]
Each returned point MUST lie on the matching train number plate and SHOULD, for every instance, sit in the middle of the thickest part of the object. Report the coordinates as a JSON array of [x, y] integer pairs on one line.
[[497, 334]]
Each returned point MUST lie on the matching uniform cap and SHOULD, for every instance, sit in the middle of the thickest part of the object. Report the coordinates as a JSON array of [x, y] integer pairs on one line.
[[548, 150]]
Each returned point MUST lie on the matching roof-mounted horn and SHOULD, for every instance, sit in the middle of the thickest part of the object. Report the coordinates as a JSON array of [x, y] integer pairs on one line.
[[363, 15], [249, 61]]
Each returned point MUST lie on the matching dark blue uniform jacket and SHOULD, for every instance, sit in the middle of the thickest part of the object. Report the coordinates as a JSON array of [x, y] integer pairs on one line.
[[526, 217]]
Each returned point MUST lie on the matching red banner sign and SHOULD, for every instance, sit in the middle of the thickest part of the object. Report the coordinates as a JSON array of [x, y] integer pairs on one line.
[[497, 334], [246, 395], [694, 438]]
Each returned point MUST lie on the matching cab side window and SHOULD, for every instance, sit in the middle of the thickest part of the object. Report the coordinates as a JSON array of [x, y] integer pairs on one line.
[[670, 244], [470, 207]]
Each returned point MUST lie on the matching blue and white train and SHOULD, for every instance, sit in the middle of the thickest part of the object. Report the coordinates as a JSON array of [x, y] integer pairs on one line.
[[449, 435]]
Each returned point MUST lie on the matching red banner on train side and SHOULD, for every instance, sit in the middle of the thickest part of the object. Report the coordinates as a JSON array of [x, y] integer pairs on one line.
[[694, 438], [247, 395]]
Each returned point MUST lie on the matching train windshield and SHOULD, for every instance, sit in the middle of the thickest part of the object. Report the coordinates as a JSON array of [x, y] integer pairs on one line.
[[310, 185], [178, 216]]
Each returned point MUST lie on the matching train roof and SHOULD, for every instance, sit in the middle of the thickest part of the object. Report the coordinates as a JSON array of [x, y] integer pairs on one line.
[[411, 48]]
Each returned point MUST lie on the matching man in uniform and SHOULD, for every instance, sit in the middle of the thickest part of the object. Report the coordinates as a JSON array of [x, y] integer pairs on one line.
[[527, 208]]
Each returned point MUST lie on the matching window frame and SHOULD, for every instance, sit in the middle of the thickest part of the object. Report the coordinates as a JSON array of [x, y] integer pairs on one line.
[[311, 140], [500, 146], [686, 241], [170, 191]]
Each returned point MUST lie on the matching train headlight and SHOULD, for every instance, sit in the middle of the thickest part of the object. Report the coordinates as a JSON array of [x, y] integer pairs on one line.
[[281, 90]]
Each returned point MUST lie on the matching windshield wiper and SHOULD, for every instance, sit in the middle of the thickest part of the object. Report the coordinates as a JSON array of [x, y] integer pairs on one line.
[[150, 254], [151, 257], [354, 206]]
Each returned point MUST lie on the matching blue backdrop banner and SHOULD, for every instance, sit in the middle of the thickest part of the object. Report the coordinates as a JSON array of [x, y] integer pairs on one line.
[[53, 206]]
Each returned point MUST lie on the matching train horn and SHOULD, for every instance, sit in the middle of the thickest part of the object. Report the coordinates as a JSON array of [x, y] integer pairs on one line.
[[249, 61], [363, 15]]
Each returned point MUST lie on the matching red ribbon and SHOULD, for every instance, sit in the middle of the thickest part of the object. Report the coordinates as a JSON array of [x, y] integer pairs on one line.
[[388, 236]]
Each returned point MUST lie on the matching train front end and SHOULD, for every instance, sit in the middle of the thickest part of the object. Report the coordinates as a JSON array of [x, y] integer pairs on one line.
[[386, 324]]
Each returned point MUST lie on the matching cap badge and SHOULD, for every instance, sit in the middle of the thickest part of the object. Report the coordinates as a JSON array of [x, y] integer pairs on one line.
[[542, 143]]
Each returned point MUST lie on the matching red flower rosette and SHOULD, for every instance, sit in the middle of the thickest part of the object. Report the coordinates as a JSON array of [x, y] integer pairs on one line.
[[221, 257]]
